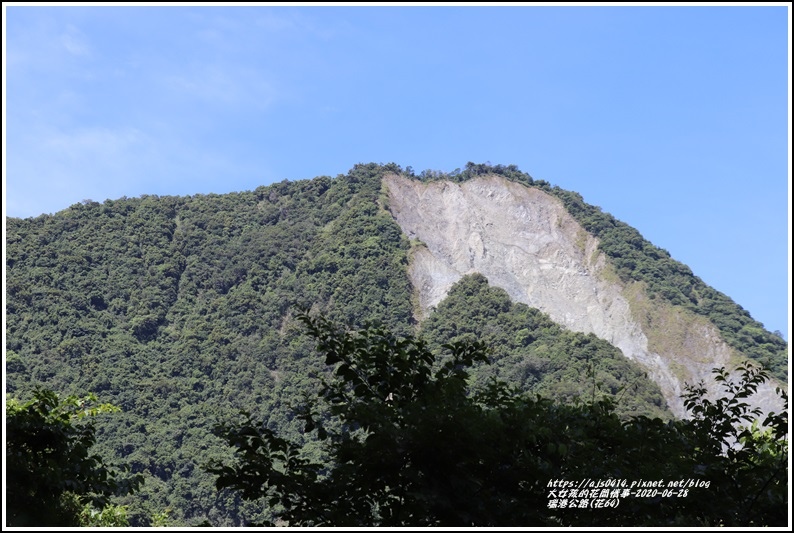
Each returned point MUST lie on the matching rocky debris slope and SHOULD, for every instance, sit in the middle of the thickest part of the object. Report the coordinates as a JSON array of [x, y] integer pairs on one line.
[[525, 242]]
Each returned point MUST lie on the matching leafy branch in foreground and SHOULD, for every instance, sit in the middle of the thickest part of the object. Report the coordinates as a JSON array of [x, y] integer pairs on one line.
[[52, 478], [410, 444], [746, 459]]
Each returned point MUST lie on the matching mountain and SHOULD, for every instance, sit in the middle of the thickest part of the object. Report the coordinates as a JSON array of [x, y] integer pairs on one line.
[[180, 309], [524, 241]]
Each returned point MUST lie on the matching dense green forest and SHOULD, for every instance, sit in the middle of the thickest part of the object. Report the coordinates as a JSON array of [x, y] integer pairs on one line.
[[55, 478], [414, 443], [534, 353], [180, 311]]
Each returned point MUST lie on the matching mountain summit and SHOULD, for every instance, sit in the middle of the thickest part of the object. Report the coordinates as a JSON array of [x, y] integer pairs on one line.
[[180, 310]]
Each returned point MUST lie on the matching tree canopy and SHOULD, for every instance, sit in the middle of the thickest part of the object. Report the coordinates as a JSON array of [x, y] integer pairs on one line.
[[52, 476], [179, 311], [411, 444]]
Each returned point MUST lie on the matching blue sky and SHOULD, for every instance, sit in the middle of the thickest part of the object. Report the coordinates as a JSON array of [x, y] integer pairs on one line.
[[673, 119]]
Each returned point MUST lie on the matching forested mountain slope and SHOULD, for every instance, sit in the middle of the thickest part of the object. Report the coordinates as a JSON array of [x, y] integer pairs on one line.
[[179, 310]]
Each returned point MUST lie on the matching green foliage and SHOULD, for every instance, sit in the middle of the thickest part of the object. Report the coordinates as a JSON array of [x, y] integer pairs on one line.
[[52, 477], [161, 519], [417, 447], [177, 309], [536, 354], [751, 466], [110, 516]]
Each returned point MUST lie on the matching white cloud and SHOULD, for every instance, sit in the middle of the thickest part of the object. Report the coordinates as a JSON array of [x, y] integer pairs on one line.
[[75, 42], [93, 143], [302, 23], [229, 86], [269, 21], [50, 169]]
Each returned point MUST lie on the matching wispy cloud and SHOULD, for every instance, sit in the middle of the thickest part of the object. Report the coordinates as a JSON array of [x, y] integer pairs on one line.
[[230, 86], [45, 46], [271, 21], [97, 143], [75, 42], [68, 165], [299, 22]]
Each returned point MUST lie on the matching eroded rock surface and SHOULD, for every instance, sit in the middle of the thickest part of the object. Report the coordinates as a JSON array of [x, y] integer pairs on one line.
[[525, 242]]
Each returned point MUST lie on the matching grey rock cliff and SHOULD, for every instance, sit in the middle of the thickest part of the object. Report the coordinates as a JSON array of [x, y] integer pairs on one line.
[[525, 242]]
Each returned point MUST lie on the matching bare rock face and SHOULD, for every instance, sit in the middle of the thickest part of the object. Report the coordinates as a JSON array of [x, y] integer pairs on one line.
[[525, 242]]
